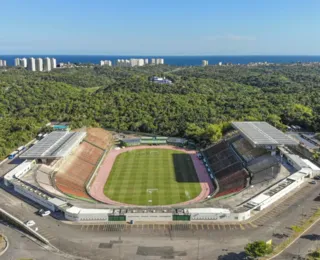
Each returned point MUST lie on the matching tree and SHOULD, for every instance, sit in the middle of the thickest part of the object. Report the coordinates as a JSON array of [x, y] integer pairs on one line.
[[258, 249], [314, 255]]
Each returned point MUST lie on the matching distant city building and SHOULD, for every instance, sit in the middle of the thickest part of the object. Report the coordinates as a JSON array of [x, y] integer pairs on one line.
[[53, 63], [3, 63], [47, 64], [23, 62], [157, 61], [16, 62], [146, 61], [130, 63], [31, 64], [39, 64], [205, 63], [220, 63], [105, 63]]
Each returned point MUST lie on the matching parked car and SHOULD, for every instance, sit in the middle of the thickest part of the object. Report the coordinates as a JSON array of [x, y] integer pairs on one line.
[[30, 223], [313, 182], [44, 213]]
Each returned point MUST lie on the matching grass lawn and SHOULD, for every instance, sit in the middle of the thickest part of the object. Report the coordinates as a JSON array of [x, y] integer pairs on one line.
[[152, 177]]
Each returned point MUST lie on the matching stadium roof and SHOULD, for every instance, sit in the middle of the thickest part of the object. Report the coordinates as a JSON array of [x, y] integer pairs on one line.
[[262, 133], [57, 144]]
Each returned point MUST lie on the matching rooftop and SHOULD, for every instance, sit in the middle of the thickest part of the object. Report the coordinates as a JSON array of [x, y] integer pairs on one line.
[[57, 144], [262, 133]]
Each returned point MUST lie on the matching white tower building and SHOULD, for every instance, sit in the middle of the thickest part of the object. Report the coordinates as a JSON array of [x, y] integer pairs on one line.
[[47, 64], [39, 64], [1, 63], [23, 62], [153, 61], [31, 64], [16, 62], [53, 63], [4, 63], [146, 61], [101, 62], [205, 63]]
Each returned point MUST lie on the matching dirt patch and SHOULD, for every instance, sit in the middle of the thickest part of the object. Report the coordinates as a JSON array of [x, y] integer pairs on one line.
[[99, 137]]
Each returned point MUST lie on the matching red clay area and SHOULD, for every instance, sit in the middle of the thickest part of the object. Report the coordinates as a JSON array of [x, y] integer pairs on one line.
[[75, 171], [96, 189], [99, 137]]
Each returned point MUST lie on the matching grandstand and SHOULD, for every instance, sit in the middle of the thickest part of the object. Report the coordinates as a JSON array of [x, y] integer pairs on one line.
[[226, 167], [56, 145], [246, 158], [246, 150]]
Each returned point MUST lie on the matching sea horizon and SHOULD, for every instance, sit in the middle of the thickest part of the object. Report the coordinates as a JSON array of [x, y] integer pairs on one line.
[[175, 60]]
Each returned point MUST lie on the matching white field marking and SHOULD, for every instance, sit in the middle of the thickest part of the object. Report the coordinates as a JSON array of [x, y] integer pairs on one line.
[[187, 194], [151, 190]]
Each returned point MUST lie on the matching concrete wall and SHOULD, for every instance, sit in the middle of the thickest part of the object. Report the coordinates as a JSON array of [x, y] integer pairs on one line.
[[149, 216], [34, 197]]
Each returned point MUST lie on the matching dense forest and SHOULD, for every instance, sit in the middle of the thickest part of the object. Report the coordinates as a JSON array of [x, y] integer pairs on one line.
[[200, 104]]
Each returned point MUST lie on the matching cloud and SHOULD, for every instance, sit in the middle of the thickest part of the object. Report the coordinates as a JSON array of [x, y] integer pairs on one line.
[[232, 37]]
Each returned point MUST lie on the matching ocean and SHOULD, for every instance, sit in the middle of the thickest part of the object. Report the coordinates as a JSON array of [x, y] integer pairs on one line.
[[171, 60]]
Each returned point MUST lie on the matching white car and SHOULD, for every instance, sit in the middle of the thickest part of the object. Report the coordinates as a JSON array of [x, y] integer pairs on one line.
[[44, 213], [30, 223]]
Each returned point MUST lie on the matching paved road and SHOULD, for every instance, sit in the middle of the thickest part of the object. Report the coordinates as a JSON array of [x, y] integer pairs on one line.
[[181, 241], [20, 246], [307, 243]]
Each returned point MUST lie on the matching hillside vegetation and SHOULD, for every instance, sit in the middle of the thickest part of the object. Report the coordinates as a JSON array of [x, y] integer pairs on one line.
[[200, 104]]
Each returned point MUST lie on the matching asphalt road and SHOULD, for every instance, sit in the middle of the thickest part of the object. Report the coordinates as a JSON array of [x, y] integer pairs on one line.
[[183, 241], [22, 247], [306, 244]]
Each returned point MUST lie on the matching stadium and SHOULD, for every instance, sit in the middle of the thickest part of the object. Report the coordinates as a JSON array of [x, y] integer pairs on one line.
[[156, 178]]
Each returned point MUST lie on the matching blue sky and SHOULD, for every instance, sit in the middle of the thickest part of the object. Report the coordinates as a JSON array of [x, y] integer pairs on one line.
[[160, 27]]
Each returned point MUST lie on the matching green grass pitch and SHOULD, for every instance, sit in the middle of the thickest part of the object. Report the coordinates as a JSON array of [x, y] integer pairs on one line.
[[152, 177]]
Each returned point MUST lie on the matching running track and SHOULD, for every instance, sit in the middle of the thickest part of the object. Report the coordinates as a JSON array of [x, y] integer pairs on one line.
[[96, 189]]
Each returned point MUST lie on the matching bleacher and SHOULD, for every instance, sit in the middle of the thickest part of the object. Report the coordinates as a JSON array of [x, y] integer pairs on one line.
[[227, 168], [233, 182], [246, 150]]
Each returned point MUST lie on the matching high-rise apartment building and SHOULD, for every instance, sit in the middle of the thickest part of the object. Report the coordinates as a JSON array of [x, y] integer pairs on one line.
[[16, 62], [153, 61], [105, 63], [46, 64], [146, 61], [23, 62], [205, 63], [31, 64], [39, 64], [1, 63], [53, 63]]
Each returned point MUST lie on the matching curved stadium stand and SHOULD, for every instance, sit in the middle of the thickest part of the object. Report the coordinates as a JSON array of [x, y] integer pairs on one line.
[[227, 168]]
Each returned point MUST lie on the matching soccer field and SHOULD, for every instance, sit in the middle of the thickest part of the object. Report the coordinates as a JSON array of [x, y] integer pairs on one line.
[[152, 177]]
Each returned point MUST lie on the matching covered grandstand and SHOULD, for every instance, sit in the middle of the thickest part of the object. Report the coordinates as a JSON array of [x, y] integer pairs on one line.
[[247, 158], [226, 167], [56, 145], [263, 134]]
